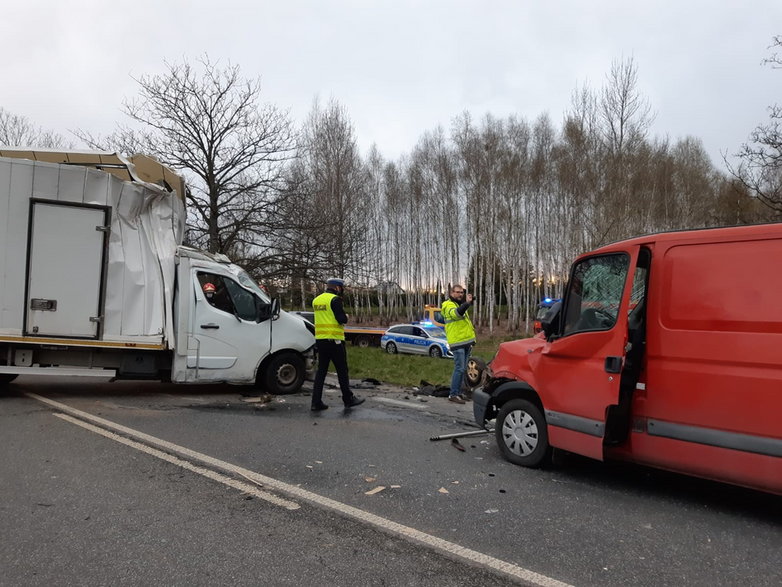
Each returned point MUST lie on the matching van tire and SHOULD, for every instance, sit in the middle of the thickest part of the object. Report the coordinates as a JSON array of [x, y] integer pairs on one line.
[[284, 374], [522, 434], [474, 372]]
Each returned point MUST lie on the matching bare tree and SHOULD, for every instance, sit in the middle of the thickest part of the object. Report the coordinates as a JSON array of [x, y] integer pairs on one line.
[[208, 122], [760, 159], [19, 131]]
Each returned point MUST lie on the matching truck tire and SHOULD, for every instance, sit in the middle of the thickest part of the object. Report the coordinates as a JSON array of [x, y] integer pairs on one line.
[[362, 341], [522, 434], [284, 374]]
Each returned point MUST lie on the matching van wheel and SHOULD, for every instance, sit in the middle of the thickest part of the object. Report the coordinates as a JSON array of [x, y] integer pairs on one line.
[[474, 371], [284, 374], [522, 434], [435, 351]]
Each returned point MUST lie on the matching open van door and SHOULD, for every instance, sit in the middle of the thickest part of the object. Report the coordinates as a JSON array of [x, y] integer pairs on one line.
[[580, 367]]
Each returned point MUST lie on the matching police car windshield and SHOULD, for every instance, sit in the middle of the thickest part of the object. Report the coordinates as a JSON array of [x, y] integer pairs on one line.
[[435, 331], [248, 282]]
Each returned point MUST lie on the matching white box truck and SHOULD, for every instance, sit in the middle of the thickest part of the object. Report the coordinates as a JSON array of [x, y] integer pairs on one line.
[[94, 281]]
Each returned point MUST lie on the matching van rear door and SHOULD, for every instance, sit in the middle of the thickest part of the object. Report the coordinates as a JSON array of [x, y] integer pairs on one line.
[[580, 369]]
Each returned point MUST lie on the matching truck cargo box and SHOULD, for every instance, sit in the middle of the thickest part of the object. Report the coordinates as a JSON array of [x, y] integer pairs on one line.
[[87, 249]]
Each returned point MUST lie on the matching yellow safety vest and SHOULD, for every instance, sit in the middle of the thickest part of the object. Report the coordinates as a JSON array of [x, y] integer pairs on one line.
[[458, 329], [326, 325]]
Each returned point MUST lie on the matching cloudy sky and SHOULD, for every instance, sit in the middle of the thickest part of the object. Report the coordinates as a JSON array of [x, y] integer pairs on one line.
[[401, 67]]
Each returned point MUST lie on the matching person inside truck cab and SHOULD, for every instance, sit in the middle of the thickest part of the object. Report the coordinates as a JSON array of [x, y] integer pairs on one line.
[[215, 292]]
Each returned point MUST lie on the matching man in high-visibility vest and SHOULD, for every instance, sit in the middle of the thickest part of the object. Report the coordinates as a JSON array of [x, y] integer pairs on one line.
[[460, 334], [330, 320]]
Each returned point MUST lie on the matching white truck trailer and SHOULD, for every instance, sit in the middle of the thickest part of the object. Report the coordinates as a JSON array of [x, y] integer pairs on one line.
[[94, 281]]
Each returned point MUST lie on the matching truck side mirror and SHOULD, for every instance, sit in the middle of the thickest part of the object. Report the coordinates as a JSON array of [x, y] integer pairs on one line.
[[264, 311], [550, 322]]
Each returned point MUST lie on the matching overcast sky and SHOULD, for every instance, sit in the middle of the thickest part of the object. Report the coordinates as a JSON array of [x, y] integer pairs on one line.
[[402, 67]]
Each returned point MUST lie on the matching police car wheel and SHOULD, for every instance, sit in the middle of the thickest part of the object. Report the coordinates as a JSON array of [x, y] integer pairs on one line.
[[435, 351], [284, 374], [391, 348], [522, 434]]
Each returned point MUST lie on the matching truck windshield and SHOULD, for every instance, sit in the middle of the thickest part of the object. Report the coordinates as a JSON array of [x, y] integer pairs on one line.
[[247, 281]]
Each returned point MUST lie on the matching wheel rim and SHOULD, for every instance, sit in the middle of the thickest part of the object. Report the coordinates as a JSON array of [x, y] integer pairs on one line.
[[363, 343], [472, 371], [286, 374], [391, 348], [520, 433], [435, 351]]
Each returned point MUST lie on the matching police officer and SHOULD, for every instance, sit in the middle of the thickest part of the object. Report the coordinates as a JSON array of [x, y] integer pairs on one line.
[[460, 334], [330, 320]]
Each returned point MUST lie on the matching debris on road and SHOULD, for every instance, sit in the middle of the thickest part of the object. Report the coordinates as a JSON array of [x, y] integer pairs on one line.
[[377, 489], [457, 445]]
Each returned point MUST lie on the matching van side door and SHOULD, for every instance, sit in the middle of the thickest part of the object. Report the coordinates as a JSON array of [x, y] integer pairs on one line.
[[579, 370]]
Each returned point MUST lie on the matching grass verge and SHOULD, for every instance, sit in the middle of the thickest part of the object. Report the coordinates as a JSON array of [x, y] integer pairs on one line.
[[409, 370]]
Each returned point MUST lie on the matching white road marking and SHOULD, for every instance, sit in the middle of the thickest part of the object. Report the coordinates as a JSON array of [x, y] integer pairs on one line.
[[241, 486], [399, 402], [443, 546]]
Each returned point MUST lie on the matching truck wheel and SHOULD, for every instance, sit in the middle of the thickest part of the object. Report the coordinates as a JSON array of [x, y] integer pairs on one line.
[[435, 351], [284, 374], [362, 342], [391, 348], [522, 434], [474, 371]]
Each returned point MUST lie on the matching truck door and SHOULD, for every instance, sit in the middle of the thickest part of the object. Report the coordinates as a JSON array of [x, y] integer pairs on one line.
[[65, 269], [580, 368], [226, 342]]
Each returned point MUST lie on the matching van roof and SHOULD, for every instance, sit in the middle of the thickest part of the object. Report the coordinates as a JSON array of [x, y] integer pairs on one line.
[[771, 229]]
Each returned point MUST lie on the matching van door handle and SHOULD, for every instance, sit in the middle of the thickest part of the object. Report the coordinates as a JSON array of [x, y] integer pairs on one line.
[[211, 325], [613, 364]]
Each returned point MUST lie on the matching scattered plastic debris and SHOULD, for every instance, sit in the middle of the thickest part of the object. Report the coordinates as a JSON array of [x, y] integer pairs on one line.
[[491, 511], [377, 489], [443, 490], [370, 479], [457, 445]]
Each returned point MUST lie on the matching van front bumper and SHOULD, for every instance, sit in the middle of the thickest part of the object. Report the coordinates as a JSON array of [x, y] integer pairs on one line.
[[480, 404]]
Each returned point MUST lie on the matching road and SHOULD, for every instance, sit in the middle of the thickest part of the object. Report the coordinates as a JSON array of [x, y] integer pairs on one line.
[[146, 483]]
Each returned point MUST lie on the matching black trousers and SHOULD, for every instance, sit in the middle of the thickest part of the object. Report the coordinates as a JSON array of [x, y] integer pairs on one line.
[[331, 352]]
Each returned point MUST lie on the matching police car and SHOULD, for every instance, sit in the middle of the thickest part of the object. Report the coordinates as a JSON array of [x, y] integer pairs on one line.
[[418, 339]]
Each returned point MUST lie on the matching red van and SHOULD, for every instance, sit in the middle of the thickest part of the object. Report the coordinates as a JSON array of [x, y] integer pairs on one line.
[[653, 357]]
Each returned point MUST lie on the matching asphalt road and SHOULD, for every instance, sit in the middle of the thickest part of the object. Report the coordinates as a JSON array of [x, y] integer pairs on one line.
[[93, 502]]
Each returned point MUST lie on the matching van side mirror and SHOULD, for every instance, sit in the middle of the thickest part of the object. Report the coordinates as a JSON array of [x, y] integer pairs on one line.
[[275, 308], [550, 322]]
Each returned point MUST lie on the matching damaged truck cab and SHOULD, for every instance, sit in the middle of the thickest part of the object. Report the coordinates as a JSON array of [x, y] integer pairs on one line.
[[653, 357]]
